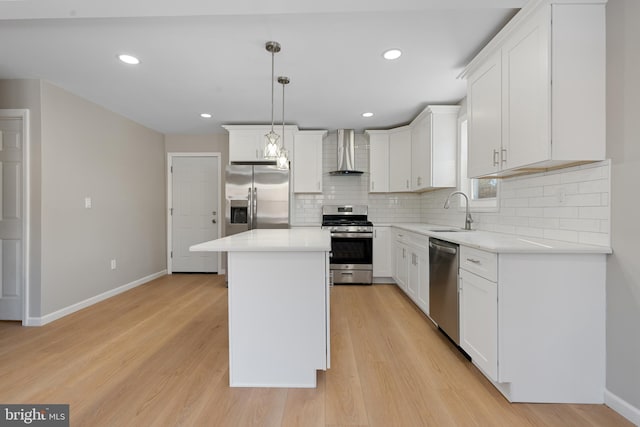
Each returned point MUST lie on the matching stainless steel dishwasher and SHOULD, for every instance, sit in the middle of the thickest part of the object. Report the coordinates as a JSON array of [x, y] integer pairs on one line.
[[443, 287]]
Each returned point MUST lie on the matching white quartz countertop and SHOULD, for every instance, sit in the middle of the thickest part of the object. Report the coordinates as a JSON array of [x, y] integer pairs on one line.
[[501, 243], [262, 240]]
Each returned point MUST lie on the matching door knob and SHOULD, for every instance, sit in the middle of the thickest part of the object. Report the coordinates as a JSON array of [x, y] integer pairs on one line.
[[213, 221]]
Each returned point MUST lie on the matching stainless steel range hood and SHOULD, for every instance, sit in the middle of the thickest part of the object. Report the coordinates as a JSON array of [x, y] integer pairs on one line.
[[346, 153]]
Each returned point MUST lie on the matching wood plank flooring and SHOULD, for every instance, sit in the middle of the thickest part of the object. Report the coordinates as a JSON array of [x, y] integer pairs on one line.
[[158, 356]]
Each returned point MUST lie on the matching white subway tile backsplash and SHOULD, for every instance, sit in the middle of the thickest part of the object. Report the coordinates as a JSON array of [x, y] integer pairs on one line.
[[601, 239], [515, 203], [583, 200], [597, 186], [561, 212], [567, 204], [581, 174], [530, 192], [592, 225], [601, 212], [564, 235]]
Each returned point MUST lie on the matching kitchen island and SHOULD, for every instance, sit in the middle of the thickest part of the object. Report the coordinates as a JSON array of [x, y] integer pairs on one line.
[[278, 305]]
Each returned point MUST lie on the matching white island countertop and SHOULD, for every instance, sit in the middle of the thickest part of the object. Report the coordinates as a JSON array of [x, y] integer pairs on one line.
[[267, 240], [501, 243]]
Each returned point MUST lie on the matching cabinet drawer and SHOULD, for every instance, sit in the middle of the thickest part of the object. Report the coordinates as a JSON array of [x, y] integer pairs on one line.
[[484, 264]]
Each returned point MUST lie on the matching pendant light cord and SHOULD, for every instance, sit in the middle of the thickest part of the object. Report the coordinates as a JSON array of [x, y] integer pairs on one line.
[[272, 86]]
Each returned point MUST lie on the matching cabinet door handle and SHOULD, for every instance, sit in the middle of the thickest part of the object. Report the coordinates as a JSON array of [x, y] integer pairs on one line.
[[375, 233], [407, 184], [373, 185], [496, 153], [503, 155], [318, 185], [475, 261]]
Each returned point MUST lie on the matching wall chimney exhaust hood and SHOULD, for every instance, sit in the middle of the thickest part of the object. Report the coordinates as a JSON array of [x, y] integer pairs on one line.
[[346, 153]]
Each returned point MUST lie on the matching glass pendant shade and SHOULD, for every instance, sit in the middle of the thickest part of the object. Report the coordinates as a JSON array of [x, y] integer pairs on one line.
[[271, 148], [283, 159]]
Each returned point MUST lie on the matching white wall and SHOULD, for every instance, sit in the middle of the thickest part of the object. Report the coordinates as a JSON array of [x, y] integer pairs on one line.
[[623, 147], [88, 151]]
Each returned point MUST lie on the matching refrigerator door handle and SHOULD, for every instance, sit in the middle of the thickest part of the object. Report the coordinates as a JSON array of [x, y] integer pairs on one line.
[[250, 209], [255, 206]]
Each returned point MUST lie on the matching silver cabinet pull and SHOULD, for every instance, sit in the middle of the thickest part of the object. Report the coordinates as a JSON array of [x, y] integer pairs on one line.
[[475, 261], [496, 162], [503, 155]]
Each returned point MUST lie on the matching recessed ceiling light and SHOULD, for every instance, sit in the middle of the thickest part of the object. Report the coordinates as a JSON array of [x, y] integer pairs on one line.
[[205, 115], [392, 54], [367, 114], [128, 59]]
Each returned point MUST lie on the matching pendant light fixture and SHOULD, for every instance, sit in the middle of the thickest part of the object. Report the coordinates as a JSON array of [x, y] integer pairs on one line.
[[272, 149], [282, 162]]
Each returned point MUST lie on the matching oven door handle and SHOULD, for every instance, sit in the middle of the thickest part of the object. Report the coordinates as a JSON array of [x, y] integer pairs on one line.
[[352, 235]]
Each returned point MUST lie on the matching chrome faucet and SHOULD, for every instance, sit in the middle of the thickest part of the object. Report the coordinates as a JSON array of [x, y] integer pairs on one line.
[[467, 220]]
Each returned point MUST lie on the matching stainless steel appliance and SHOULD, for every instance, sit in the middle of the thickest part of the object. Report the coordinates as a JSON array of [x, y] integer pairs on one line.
[[257, 196], [346, 153], [443, 287], [351, 244]]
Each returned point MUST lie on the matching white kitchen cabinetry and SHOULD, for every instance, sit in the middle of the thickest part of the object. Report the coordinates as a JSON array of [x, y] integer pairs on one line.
[[534, 323], [434, 147], [479, 309], [418, 283], [378, 161], [411, 271], [307, 161], [246, 142], [401, 259], [382, 264], [524, 90], [400, 159]]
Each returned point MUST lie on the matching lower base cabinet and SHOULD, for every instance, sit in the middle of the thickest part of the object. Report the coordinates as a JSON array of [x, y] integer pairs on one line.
[[479, 321], [534, 323], [411, 271]]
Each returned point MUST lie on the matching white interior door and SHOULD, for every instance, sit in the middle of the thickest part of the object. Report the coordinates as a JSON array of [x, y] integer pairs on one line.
[[195, 212], [11, 290]]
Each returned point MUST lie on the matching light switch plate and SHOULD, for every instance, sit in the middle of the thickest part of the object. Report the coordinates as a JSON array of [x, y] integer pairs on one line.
[[87, 202]]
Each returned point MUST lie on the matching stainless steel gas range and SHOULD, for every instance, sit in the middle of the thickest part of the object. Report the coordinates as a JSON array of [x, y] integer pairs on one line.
[[351, 243]]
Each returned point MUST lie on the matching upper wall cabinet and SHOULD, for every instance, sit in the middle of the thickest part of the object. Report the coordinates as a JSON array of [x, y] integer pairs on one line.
[[417, 157], [526, 91], [400, 159], [433, 147], [307, 161], [246, 142], [378, 161]]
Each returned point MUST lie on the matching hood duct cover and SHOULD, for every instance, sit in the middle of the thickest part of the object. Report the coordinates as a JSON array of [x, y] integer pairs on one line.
[[346, 153]]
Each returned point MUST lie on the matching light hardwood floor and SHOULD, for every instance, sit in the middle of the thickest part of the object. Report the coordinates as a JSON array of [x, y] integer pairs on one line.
[[158, 356]]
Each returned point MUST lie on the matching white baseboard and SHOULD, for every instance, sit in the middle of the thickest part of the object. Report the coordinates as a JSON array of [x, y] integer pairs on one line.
[[40, 321], [622, 407]]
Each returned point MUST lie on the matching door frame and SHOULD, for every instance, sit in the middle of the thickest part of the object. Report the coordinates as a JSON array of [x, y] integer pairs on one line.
[[23, 113], [170, 157]]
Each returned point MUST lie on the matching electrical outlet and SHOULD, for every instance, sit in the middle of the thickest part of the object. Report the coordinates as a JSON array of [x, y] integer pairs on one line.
[[113, 264], [87, 202]]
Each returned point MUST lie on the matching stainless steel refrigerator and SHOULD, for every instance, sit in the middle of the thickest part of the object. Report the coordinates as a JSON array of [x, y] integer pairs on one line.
[[257, 196]]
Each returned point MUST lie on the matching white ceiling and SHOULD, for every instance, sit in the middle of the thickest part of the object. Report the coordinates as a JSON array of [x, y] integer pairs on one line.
[[209, 56]]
